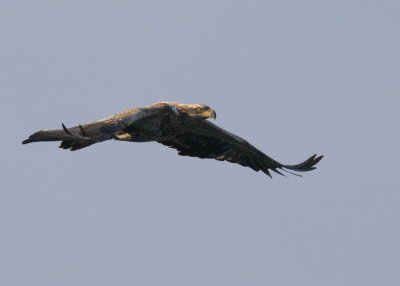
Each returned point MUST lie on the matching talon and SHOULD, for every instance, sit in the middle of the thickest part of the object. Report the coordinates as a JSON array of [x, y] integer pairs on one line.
[[82, 131], [66, 130]]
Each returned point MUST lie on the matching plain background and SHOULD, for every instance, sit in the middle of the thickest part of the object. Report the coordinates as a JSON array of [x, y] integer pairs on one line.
[[292, 77]]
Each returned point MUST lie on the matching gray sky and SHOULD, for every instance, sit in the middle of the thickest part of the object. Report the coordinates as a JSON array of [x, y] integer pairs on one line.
[[292, 77]]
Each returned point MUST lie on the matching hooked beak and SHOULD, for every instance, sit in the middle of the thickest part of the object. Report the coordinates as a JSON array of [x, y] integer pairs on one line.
[[209, 114]]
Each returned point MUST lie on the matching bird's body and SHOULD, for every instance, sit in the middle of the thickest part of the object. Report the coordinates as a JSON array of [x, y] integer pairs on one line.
[[180, 126]]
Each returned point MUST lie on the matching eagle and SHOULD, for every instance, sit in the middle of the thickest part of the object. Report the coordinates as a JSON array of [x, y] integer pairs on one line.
[[183, 127]]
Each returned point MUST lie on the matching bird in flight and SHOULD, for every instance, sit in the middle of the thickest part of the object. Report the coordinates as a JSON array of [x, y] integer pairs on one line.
[[180, 126]]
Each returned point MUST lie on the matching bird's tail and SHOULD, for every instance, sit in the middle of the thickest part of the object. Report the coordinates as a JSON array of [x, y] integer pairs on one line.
[[305, 166], [74, 138]]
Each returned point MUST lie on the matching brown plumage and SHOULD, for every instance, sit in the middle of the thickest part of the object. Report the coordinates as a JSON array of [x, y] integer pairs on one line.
[[180, 126]]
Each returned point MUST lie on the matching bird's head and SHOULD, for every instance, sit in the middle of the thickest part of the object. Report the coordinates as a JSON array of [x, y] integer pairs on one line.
[[196, 110]]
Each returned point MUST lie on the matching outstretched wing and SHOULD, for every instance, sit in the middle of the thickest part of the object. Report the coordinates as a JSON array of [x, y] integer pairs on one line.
[[81, 136], [203, 139]]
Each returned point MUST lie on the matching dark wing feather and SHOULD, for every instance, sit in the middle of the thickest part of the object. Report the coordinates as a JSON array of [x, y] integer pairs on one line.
[[203, 139]]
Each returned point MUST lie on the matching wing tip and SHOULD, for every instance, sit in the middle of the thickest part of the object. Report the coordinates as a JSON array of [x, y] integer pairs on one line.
[[26, 141], [307, 165]]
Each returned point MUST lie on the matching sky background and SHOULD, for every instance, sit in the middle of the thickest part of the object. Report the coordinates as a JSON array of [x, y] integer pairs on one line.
[[294, 78]]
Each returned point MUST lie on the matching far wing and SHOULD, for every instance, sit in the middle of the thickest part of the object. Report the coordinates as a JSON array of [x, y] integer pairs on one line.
[[203, 139], [81, 136]]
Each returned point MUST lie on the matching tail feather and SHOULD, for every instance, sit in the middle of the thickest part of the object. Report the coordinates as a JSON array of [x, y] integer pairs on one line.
[[76, 144]]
